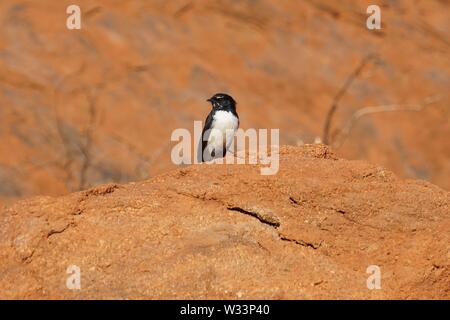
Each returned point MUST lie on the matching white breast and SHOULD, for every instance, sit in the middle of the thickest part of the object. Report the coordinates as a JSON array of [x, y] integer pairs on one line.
[[223, 127]]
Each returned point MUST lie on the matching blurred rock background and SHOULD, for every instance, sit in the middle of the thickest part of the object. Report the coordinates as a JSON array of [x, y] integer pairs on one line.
[[84, 107]]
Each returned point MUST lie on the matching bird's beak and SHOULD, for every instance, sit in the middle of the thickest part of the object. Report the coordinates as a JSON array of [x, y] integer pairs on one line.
[[209, 100]]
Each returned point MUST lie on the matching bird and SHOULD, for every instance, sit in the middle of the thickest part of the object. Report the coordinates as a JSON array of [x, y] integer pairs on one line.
[[219, 129]]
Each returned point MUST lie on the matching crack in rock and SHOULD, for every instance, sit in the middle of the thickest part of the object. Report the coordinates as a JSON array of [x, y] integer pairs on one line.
[[261, 216], [58, 231], [274, 223], [301, 242]]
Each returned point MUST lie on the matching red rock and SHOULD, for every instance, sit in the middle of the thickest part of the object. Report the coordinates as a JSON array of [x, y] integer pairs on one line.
[[116, 89], [227, 232]]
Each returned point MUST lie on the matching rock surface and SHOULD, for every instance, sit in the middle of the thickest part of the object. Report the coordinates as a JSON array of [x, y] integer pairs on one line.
[[85, 107], [225, 231]]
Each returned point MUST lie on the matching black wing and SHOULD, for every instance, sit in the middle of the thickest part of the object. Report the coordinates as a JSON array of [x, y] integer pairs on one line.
[[204, 139]]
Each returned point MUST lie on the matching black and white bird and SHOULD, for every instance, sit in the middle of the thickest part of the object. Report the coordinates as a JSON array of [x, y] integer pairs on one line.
[[220, 127]]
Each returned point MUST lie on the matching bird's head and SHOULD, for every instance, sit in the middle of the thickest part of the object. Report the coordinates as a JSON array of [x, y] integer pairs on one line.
[[222, 101]]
